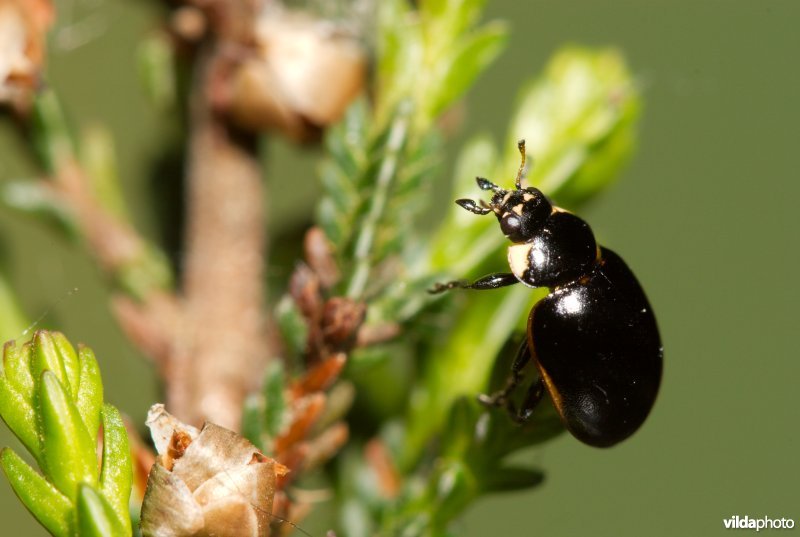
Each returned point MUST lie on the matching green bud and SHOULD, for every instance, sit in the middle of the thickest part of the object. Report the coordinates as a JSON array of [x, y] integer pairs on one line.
[[47, 357], [51, 398], [578, 121]]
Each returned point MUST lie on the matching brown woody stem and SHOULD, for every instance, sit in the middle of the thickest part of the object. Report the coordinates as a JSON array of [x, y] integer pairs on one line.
[[222, 347]]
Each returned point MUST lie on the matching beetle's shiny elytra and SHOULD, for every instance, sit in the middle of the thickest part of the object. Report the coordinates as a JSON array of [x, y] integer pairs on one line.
[[593, 338]]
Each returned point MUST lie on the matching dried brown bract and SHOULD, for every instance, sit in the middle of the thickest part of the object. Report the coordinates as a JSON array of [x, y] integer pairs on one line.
[[304, 74], [320, 257], [207, 482], [333, 322]]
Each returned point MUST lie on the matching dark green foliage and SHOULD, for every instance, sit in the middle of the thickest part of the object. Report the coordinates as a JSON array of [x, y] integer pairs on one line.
[[265, 413]]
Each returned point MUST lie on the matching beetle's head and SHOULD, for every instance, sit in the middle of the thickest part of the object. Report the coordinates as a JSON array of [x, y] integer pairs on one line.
[[521, 212]]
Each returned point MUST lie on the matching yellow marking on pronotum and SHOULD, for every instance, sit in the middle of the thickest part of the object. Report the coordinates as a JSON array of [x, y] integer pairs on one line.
[[518, 258]]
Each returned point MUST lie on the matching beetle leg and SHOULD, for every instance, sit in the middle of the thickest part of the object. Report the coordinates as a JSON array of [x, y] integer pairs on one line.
[[500, 398], [490, 281], [532, 399]]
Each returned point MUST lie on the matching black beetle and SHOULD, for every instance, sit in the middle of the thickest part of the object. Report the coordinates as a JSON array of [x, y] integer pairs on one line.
[[593, 338]]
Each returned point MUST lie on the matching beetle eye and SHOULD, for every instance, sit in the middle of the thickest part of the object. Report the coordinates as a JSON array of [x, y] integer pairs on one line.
[[510, 225]]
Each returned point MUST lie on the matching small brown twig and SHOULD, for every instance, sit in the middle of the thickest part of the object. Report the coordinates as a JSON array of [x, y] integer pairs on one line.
[[208, 339], [149, 319]]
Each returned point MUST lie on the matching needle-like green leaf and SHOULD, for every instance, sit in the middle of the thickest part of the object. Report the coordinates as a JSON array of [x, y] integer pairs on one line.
[[51, 508], [17, 369], [117, 473], [68, 452], [19, 415], [95, 517], [69, 358], [253, 420], [275, 404], [89, 399]]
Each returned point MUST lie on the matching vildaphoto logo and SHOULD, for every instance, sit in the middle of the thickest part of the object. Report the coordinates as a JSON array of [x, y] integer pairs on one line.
[[737, 522]]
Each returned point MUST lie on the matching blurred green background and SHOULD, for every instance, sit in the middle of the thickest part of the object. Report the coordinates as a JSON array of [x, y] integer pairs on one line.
[[705, 215]]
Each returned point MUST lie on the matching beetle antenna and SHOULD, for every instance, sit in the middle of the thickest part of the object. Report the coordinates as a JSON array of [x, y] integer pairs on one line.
[[521, 148], [473, 207], [485, 184]]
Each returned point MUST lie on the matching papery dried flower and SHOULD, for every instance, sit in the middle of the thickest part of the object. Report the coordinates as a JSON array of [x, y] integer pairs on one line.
[[23, 25], [207, 482], [304, 76]]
